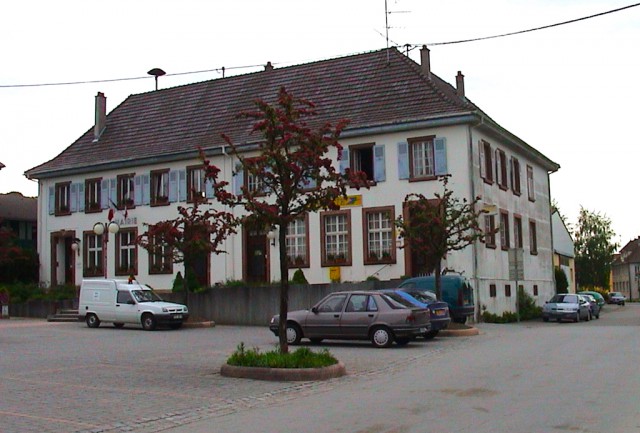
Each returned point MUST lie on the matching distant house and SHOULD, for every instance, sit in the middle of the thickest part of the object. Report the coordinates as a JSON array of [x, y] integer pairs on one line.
[[563, 250], [625, 270], [1, 166], [19, 213], [407, 126]]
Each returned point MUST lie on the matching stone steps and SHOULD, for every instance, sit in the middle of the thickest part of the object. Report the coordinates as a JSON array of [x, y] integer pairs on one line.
[[64, 316]]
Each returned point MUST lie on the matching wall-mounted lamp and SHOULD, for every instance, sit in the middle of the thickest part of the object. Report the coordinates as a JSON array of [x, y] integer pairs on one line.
[[271, 235], [75, 245]]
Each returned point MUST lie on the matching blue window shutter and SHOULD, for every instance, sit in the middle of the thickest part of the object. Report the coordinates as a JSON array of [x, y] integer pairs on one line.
[[379, 172], [182, 185], [173, 186], [52, 200], [440, 155], [104, 194], [403, 160], [238, 181], [344, 161], [113, 192], [73, 197], [137, 190], [81, 197], [146, 192]]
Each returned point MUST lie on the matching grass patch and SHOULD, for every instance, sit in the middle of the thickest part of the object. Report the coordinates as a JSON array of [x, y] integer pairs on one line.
[[301, 358]]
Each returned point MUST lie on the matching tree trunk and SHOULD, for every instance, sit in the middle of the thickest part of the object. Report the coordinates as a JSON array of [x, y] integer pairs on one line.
[[437, 273], [284, 288]]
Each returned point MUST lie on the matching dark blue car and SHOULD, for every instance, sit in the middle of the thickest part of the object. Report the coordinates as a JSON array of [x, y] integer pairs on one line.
[[440, 318]]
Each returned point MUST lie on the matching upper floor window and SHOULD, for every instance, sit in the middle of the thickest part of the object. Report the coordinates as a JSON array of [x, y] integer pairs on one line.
[[530, 184], [517, 231], [92, 244], [367, 158], [421, 158], [533, 238], [501, 169], [515, 176], [159, 187], [297, 240], [486, 161], [379, 235], [92, 189], [504, 230], [490, 231], [195, 183], [126, 185], [336, 238], [63, 198], [126, 252]]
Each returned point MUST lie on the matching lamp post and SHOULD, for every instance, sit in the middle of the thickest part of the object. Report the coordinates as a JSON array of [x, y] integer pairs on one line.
[[103, 229]]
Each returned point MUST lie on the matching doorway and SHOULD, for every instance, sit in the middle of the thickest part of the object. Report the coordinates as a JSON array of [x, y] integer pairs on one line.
[[63, 259], [255, 254]]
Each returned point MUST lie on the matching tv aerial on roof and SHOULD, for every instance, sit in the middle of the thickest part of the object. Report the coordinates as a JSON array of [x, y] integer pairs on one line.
[[156, 72]]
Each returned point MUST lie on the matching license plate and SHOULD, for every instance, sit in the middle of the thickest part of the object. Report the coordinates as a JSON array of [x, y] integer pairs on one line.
[[423, 330], [177, 316]]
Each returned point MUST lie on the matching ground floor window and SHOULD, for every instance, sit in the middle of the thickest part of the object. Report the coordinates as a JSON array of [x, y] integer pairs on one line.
[[336, 238]]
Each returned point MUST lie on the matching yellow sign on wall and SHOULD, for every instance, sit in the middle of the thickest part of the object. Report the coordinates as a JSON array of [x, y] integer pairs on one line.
[[334, 274], [350, 201]]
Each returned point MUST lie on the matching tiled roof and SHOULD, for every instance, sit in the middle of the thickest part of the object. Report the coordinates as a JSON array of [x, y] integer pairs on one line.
[[16, 207], [630, 253], [371, 90]]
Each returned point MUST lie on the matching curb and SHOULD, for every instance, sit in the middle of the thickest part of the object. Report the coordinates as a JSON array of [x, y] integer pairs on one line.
[[210, 324], [284, 374], [459, 332]]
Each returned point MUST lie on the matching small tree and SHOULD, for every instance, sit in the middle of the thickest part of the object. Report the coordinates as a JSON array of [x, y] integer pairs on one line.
[[562, 284], [439, 225], [17, 264], [293, 174], [594, 249]]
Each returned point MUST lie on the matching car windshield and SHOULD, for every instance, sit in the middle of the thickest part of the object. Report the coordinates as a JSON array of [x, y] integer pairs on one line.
[[396, 301], [566, 299], [145, 296]]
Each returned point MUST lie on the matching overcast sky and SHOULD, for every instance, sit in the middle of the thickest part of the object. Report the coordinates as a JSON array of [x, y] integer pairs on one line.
[[570, 91]]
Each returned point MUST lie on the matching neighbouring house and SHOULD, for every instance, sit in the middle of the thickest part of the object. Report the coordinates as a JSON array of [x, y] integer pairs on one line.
[[563, 250], [407, 126], [2, 166], [20, 215], [625, 270]]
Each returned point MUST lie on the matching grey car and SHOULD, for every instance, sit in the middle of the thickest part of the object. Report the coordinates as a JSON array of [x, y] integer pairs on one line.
[[566, 306], [617, 298], [357, 315]]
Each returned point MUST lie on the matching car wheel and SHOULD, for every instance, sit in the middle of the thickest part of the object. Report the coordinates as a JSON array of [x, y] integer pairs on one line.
[[430, 335], [381, 336], [148, 322], [316, 340], [294, 334], [92, 320], [118, 325], [403, 341]]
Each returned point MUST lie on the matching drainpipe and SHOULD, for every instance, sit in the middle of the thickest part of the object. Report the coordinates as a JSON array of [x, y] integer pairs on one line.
[[553, 273], [474, 247]]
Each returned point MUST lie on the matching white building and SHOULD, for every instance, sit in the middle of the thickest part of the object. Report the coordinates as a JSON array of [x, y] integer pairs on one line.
[[406, 126]]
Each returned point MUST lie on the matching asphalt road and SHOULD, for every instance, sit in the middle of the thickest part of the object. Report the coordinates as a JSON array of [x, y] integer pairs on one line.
[[529, 377]]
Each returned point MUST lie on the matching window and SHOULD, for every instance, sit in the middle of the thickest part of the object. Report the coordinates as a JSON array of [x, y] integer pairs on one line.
[[336, 238], [421, 157], [124, 297], [515, 175], [486, 162], [160, 257], [357, 304], [535, 290], [492, 290], [530, 185], [125, 191], [195, 183], [62, 198], [126, 252], [159, 187], [504, 230], [517, 231], [252, 181], [333, 304], [533, 238], [92, 188], [490, 231], [298, 243], [501, 169], [378, 232], [92, 255], [507, 290], [362, 160]]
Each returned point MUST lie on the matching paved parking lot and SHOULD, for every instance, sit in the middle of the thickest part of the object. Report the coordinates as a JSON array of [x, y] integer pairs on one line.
[[65, 377]]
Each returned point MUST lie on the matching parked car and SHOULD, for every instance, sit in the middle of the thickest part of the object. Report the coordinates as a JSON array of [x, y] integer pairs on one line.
[[594, 307], [598, 296], [357, 315], [566, 306], [617, 298], [440, 318], [455, 291]]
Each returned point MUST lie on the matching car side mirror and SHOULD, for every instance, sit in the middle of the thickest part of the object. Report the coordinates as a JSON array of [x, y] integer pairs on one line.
[[314, 310]]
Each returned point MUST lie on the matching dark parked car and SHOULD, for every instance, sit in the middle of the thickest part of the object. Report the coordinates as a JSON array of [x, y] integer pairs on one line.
[[440, 318], [599, 298], [617, 298], [594, 307], [566, 306], [357, 315]]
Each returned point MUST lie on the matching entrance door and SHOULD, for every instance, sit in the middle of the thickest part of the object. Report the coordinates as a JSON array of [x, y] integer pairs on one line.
[[256, 258], [62, 259]]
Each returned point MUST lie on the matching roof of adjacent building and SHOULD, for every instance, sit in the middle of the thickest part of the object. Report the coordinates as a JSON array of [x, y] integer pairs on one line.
[[16, 207], [562, 240], [1, 166], [630, 253], [378, 89]]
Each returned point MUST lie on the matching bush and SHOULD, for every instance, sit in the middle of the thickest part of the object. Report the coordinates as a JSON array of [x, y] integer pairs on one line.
[[528, 310], [178, 283], [298, 277], [19, 293], [562, 284], [301, 358]]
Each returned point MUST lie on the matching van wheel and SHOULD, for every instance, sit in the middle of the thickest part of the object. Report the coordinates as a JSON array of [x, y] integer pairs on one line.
[[148, 322], [92, 320], [118, 325]]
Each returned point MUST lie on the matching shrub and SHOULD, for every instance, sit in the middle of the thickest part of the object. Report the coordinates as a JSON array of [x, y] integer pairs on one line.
[[177, 283], [298, 277], [528, 310], [372, 278], [301, 358], [562, 284]]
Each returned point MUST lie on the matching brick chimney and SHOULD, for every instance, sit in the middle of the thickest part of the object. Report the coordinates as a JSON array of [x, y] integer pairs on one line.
[[425, 61], [268, 67], [101, 116], [460, 84]]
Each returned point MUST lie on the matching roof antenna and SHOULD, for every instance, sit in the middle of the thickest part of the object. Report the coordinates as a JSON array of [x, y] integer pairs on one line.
[[156, 72]]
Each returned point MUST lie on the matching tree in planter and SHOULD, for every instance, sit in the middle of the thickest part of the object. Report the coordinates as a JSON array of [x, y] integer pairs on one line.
[[294, 173], [439, 225], [195, 232], [594, 249]]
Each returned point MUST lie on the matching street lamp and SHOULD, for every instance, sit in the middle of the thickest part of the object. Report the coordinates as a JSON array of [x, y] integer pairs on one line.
[[103, 229]]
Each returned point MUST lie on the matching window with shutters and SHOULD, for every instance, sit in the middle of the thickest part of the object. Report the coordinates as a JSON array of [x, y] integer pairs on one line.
[[515, 176], [486, 162], [195, 183], [159, 187], [361, 157], [501, 170], [533, 238], [421, 158], [504, 230], [379, 234], [490, 231], [517, 231], [126, 191], [92, 196], [336, 238], [63, 198], [530, 184], [297, 240]]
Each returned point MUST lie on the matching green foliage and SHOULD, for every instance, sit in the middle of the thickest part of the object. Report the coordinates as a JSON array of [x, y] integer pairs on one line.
[[178, 283], [594, 249], [20, 293], [528, 310], [17, 264], [562, 284], [299, 278], [372, 278], [301, 358]]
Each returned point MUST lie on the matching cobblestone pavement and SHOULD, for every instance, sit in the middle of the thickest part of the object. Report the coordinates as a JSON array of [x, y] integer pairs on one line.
[[65, 377]]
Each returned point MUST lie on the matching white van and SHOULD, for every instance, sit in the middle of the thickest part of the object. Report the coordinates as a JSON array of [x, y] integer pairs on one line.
[[127, 301]]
